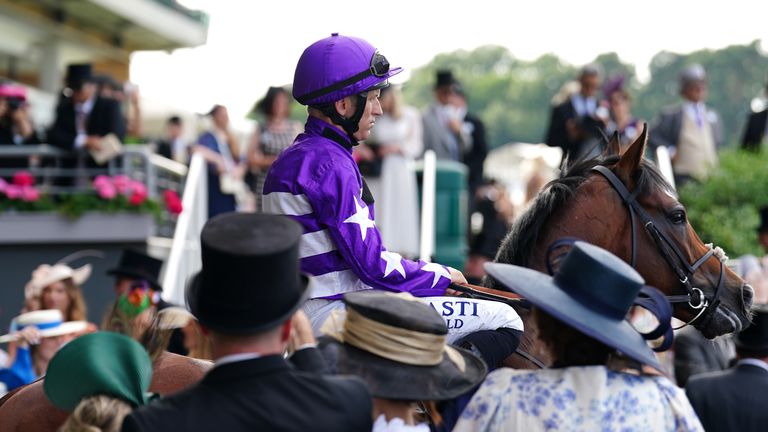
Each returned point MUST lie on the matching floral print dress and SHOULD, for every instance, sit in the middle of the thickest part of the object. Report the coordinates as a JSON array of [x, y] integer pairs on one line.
[[591, 398]]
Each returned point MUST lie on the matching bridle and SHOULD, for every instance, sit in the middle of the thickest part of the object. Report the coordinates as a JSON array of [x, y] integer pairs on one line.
[[695, 297]]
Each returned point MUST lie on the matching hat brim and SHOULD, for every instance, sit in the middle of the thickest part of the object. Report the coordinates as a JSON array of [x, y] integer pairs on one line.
[[193, 298], [64, 328], [541, 290], [133, 274], [388, 379]]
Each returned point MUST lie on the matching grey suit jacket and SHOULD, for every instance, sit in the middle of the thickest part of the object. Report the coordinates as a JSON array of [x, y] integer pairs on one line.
[[665, 130], [438, 137], [731, 400]]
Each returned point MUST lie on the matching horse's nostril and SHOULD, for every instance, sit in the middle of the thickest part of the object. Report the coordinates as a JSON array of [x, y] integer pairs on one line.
[[747, 294]]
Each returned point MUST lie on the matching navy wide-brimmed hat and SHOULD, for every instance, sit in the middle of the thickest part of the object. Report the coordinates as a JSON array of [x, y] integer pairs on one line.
[[138, 265], [396, 344], [250, 280], [592, 292], [755, 337]]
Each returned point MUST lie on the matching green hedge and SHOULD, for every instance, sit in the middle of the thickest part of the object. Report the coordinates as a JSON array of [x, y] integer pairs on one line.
[[724, 208]]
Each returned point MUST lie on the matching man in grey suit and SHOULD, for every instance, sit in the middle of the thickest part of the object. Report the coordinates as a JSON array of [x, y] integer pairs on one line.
[[691, 130], [736, 399], [443, 131]]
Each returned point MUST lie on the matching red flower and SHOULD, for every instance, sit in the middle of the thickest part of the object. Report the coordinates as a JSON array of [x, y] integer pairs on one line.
[[137, 198], [172, 202], [23, 178]]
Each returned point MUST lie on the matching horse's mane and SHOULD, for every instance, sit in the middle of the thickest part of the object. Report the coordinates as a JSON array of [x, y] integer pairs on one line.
[[521, 240]]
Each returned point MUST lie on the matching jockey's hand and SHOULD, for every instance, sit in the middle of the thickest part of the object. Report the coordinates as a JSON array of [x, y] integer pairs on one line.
[[301, 332], [456, 277]]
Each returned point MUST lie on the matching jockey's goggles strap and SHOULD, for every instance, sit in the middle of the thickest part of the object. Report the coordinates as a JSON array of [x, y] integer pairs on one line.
[[390, 342]]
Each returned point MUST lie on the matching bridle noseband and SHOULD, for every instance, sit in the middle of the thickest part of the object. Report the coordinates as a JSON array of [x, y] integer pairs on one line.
[[695, 297]]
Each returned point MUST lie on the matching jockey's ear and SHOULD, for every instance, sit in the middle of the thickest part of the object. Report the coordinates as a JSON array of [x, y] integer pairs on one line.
[[630, 160]]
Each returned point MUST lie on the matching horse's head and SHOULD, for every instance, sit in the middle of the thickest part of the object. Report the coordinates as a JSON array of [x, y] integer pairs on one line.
[[665, 248]]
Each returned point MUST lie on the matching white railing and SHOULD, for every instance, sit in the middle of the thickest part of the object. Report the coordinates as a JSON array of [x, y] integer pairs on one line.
[[664, 162], [427, 240], [184, 260]]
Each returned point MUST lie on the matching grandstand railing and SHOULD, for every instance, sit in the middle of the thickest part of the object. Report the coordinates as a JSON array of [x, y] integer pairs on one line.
[[184, 259]]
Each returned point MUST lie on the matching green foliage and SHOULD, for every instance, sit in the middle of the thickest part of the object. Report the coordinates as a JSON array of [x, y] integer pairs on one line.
[[42, 204], [724, 208], [73, 206], [513, 96]]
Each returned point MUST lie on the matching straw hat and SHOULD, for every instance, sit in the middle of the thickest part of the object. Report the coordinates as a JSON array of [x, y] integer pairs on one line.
[[49, 322], [396, 344], [45, 275]]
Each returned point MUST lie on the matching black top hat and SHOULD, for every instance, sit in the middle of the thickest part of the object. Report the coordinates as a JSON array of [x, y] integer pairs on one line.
[[250, 281], [763, 219], [755, 337], [138, 265], [396, 343], [77, 74], [592, 292], [445, 78]]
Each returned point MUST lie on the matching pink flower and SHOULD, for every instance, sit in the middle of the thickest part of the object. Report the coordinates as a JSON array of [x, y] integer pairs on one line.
[[107, 191], [138, 187], [3, 185], [23, 178], [101, 181], [29, 194], [13, 191], [172, 202], [123, 183]]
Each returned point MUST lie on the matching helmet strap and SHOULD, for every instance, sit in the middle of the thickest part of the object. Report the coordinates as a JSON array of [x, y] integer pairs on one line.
[[349, 124]]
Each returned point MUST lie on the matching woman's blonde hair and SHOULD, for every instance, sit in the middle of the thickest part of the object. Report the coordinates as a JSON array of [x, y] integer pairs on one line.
[[77, 310], [202, 347], [97, 414], [154, 339]]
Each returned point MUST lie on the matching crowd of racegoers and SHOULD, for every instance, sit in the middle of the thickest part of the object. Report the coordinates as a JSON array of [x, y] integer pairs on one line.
[[307, 316]]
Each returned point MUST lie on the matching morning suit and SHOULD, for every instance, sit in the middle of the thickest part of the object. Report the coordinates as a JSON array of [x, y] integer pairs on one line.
[[446, 144], [557, 133], [732, 400], [668, 130], [755, 130], [105, 117], [261, 394]]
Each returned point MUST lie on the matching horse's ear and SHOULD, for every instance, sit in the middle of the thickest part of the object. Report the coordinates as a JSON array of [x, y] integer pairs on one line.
[[631, 158], [614, 147]]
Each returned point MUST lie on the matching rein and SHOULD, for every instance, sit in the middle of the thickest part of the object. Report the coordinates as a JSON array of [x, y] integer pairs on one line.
[[695, 297]]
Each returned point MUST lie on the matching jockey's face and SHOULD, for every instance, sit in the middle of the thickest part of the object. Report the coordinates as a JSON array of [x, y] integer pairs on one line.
[[372, 110]]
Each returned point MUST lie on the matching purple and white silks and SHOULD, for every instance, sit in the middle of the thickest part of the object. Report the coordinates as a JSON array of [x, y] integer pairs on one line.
[[317, 183]]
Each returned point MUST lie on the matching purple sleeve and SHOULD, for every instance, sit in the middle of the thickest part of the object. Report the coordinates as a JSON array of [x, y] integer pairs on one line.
[[349, 220]]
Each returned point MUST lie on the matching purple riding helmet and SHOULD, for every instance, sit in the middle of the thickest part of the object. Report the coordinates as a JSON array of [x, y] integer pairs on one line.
[[336, 67]]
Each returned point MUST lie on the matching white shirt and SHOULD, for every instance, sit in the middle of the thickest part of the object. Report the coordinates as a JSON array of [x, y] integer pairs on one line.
[[583, 106], [82, 134], [397, 425], [234, 358], [754, 362]]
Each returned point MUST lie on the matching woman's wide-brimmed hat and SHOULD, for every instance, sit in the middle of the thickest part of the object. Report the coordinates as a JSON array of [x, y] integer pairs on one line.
[[396, 344], [592, 291], [49, 322], [102, 363], [251, 280], [45, 275]]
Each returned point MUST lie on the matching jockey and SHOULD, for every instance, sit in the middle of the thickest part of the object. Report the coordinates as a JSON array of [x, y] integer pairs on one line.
[[316, 182]]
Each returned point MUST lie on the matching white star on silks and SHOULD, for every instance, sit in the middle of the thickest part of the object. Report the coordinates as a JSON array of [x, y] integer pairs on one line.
[[394, 262], [362, 218], [438, 270]]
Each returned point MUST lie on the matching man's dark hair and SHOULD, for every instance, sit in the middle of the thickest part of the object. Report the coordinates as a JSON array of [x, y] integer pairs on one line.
[[174, 120]]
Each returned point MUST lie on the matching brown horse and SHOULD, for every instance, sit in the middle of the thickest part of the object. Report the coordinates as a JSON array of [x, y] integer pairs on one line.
[[644, 224], [27, 409]]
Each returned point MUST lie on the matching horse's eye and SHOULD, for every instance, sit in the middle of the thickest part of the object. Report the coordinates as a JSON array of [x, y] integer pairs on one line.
[[677, 217]]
